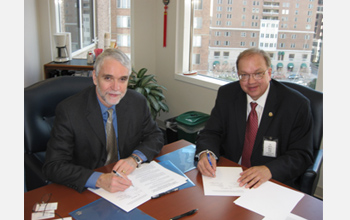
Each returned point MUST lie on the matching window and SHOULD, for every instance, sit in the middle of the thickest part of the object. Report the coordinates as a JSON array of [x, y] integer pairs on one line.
[[197, 23], [196, 59], [123, 40], [89, 20], [277, 38], [123, 3], [197, 41], [69, 15], [123, 21]]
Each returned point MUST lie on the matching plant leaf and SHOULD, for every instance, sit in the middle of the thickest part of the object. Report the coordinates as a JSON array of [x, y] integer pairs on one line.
[[140, 90], [145, 80], [164, 106], [157, 94], [152, 85], [154, 103], [141, 72]]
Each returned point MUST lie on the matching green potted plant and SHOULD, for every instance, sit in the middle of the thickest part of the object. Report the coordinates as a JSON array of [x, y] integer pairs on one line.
[[147, 85]]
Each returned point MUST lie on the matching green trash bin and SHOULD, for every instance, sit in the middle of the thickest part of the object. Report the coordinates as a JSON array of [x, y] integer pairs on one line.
[[189, 124]]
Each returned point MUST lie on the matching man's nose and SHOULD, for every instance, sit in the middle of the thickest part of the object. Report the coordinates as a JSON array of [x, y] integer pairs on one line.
[[115, 85], [251, 79]]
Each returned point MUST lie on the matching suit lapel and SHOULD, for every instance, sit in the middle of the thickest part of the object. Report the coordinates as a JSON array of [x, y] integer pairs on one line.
[[94, 116], [122, 121], [270, 110], [241, 109]]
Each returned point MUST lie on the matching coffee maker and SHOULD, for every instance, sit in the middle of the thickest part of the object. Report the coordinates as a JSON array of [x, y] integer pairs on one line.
[[63, 44]]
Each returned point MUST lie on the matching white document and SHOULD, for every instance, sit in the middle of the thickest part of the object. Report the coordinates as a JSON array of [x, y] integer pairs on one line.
[[149, 179], [271, 200], [225, 183], [290, 216]]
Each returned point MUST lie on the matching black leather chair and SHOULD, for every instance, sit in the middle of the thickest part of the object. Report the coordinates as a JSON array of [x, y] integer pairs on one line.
[[40, 101], [308, 181]]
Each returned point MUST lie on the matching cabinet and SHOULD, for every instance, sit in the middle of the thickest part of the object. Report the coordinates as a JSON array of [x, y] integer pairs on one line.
[[53, 69]]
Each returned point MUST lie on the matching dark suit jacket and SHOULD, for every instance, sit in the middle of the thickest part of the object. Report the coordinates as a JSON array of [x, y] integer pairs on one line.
[[78, 139], [290, 123]]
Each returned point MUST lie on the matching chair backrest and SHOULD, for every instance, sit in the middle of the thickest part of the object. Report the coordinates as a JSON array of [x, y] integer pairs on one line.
[[40, 101], [316, 101]]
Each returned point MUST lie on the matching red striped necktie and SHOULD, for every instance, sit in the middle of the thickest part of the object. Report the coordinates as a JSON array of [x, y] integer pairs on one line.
[[250, 134]]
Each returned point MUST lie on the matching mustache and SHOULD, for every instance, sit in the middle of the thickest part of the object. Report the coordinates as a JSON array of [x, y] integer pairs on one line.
[[115, 92]]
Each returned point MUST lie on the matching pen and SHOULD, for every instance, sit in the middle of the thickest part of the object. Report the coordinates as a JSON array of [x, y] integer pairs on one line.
[[164, 193], [118, 174], [185, 214], [208, 155]]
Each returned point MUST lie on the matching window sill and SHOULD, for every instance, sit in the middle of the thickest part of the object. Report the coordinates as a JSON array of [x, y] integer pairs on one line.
[[203, 81]]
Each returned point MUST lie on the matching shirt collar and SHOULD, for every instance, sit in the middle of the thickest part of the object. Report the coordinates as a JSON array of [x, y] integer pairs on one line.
[[262, 100]]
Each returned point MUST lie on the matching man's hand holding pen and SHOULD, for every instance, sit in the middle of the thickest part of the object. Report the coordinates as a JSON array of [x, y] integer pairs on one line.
[[207, 164], [113, 183]]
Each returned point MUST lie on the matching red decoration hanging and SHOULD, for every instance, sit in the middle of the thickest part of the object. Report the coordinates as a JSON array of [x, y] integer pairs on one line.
[[166, 2]]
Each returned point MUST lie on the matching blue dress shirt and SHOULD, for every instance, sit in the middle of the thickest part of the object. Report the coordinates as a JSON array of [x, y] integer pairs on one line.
[[91, 182]]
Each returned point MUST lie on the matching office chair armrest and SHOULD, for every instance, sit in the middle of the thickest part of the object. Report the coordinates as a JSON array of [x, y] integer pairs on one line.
[[317, 163], [310, 178], [34, 177]]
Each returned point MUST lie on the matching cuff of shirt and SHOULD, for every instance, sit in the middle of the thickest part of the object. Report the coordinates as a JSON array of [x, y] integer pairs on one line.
[[91, 182], [140, 155], [205, 151]]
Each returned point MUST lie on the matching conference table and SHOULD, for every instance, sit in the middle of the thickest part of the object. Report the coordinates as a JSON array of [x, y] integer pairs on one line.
[[173, 204]]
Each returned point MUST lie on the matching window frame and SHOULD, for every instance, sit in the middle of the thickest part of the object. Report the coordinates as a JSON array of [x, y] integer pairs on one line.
[[182, 48], [57, 28]]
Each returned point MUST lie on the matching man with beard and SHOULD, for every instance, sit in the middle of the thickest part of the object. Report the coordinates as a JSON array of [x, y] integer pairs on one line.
[[78, 142]]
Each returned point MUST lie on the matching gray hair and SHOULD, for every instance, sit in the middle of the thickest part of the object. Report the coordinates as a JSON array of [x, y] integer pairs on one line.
[[252, 51], [112, 53]]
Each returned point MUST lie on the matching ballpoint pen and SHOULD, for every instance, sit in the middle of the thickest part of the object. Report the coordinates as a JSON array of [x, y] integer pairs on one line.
[[185, 214], [208, 155], [164, 193], [118, 174]]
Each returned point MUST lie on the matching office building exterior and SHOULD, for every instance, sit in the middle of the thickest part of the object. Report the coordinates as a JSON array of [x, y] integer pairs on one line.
[[286, 29]]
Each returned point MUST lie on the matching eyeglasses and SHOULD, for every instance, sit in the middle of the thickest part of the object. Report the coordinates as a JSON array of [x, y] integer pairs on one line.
[[42, 205], [257, 76]]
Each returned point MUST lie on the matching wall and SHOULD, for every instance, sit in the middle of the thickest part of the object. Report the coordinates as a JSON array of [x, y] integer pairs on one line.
[[150, 53], [31, 44]]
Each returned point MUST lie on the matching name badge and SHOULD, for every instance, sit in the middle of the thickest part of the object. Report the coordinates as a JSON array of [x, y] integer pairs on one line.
[[270, 147]]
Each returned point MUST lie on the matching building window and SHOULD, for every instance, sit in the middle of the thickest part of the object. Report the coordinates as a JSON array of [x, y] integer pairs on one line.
[[196, 59], [123, 3], [198, 5], [266, 35], [123, 40], [197, 23], [123, 21], [197, 41]]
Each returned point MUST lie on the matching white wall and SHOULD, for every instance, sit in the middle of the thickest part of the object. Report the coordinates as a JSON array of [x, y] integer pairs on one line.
[[31, 44], [37, 41], [150, 53]]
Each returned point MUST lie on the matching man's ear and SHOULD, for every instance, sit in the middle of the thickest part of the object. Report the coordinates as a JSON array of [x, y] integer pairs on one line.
[[94, 77]]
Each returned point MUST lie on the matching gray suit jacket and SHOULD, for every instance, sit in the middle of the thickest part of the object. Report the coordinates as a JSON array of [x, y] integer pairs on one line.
[[78, 139], [290, 123]]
